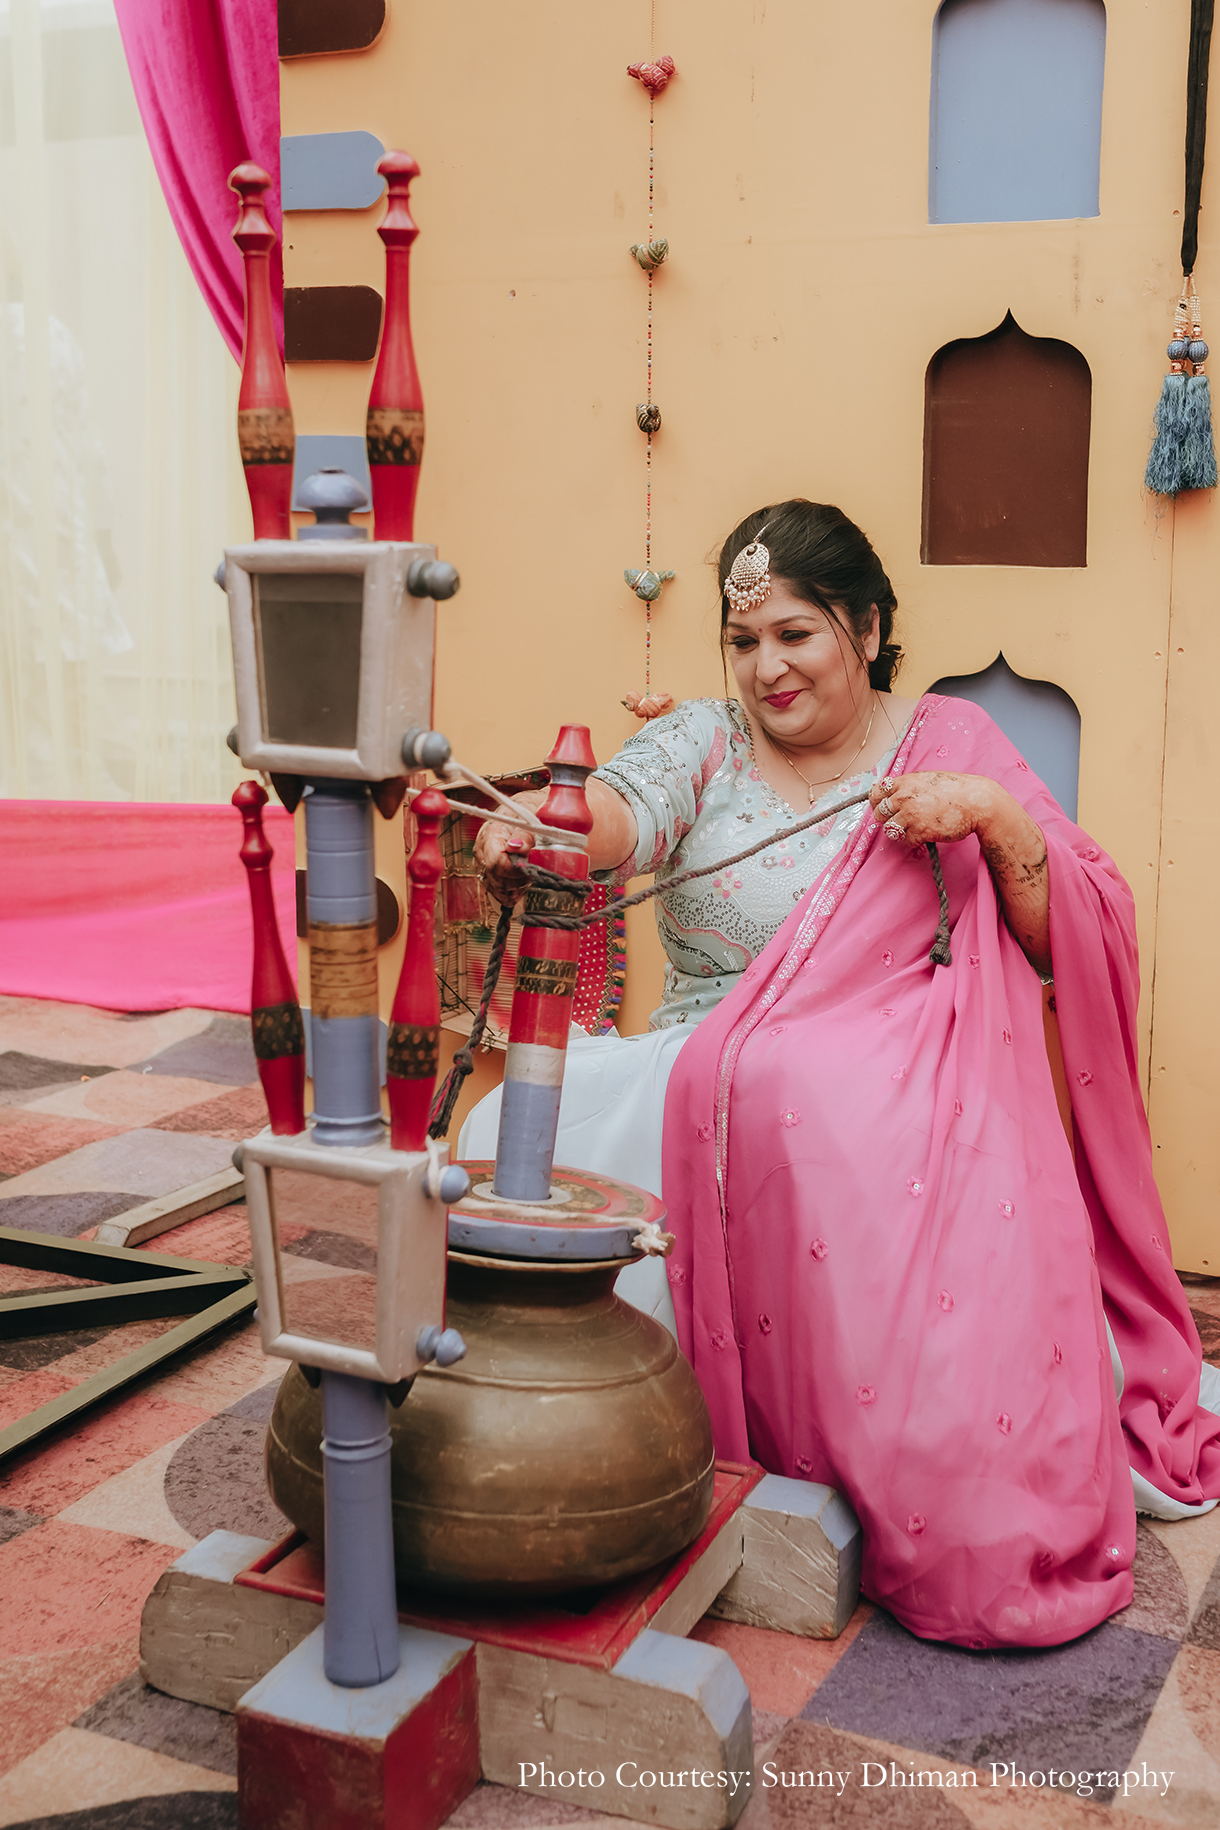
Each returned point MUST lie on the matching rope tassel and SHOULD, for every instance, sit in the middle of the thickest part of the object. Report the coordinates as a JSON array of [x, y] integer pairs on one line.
[[1183, 454], [1198, 449], [1164, 473]]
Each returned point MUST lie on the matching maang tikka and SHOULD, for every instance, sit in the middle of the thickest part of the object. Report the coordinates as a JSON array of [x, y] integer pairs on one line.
[[749, 581]]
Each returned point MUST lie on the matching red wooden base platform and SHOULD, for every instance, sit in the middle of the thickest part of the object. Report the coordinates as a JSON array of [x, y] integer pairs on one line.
[[594, 1627], [531, 1695]]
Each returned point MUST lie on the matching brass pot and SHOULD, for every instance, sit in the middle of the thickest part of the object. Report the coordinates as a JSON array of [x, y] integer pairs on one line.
[[571, 1447]]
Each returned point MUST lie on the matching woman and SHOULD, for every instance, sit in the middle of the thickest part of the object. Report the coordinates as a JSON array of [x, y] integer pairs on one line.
[[894, 1272]]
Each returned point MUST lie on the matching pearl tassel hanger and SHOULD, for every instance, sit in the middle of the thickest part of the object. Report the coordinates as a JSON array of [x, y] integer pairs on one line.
[[648, 581]]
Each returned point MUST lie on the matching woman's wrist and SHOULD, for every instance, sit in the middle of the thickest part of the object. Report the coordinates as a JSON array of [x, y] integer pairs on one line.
[[1005, 831], [1015, 850]]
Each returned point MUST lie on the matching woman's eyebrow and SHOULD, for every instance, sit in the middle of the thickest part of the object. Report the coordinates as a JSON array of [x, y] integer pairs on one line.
[[793, 616]]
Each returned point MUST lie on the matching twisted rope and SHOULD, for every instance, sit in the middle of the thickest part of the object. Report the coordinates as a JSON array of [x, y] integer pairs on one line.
[[463, 1061], [939, 956], [441, 1116]]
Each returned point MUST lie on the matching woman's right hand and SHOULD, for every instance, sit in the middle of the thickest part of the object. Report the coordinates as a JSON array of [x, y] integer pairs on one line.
[[497, 848], [611, 842]]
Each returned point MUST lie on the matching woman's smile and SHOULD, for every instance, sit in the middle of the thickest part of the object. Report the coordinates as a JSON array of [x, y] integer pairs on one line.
[[781, 701]]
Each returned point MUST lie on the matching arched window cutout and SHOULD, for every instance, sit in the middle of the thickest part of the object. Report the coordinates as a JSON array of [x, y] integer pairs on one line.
[[1006, 451], [1016, 110], [1039, 718]]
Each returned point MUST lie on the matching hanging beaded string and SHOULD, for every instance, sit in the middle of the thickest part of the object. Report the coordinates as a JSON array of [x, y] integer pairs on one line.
[[650, 255], [648, 429]]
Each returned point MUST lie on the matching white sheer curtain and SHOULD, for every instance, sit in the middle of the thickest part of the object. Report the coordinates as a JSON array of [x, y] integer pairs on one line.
[[120, 481]]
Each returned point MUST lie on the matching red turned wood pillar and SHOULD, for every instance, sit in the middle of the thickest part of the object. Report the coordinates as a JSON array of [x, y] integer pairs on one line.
[[411, 1049], [546, 978], [275, 1015], [264, 414], [395, 431]]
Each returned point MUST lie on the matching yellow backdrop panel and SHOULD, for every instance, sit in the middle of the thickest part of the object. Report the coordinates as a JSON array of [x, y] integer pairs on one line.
[[803, 298]]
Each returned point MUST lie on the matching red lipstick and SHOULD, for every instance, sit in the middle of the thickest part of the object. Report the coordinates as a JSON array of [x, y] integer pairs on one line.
[[781, 701]]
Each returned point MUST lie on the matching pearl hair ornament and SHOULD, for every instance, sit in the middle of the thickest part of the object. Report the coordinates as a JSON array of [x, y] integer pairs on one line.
[[749, 581]]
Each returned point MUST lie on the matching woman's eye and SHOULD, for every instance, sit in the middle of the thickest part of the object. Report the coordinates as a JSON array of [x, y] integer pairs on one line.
[[742, 641], [796, 635]]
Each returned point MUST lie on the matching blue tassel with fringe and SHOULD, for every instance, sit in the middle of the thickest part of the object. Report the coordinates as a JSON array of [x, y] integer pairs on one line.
[[1183, 454], [1164, 472], [1198, 449]]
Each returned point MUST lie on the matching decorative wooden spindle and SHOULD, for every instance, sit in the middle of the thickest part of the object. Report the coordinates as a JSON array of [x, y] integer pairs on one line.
[[411, 1049], [264, 414], [546, 978], [275, 1015], [395, 433]]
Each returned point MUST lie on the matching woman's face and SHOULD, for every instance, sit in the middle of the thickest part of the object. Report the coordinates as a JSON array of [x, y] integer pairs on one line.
[[797, 674]]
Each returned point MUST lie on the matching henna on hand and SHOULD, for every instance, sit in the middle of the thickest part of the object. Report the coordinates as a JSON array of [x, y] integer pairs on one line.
[[939, 806]]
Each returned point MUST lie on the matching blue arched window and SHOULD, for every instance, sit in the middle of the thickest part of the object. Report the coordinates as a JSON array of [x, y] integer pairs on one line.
[[1016, 110], [1037, 716]]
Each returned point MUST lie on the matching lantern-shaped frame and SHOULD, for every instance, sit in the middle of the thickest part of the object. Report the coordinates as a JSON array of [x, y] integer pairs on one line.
[[332, 656], [393, 1228]]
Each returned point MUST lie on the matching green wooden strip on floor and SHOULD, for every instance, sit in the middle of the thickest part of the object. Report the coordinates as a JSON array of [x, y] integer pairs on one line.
[[107, 1305], [82, 1258], [133, 1366]]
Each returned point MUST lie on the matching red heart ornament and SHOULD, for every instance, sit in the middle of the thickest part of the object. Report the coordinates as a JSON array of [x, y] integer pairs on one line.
[[653, 76]]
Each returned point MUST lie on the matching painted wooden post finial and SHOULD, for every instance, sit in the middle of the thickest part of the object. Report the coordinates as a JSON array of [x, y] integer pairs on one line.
[[275, 1015], [395, 431], [411, 1049], [546, 978], [264, 413]]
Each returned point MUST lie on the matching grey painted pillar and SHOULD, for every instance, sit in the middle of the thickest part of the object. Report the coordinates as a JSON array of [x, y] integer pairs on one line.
[[360, 1624], [342, 909]]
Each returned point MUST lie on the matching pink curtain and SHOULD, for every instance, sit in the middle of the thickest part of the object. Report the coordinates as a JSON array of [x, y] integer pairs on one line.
[[134, 907], [207, 80]]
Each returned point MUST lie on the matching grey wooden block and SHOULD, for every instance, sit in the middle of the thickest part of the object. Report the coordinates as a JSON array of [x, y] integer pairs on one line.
[[330, 171], [203, 1639], [298, 1691], [703, 1581], [801, 1569], [671, 1707]]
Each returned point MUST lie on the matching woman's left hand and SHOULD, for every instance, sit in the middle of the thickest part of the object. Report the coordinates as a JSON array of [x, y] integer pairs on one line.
[[924, 809], [921, 808]]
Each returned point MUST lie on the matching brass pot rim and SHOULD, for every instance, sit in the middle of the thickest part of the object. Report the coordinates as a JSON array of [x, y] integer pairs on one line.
[[570, 1265]]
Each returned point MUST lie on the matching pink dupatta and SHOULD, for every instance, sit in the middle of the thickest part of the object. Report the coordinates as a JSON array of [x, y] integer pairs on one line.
[[890, 1274]]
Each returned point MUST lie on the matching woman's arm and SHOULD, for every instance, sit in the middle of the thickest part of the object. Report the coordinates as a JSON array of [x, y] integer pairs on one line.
[[611, 842], [942, 806]]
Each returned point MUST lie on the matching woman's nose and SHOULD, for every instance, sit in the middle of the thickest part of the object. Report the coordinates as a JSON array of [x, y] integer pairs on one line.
[[772, 662]]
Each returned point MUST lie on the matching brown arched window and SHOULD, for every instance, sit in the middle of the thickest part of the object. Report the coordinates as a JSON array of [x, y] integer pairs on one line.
[[1006, 451]]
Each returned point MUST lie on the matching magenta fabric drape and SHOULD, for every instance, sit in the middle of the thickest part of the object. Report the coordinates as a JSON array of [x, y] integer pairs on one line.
[[134, 907], [207, 81]]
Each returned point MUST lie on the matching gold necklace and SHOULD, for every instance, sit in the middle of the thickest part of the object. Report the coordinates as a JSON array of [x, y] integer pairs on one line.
[[827, 781]]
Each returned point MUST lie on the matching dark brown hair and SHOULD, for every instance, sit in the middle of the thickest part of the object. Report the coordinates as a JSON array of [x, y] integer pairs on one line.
[[826, 560]]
